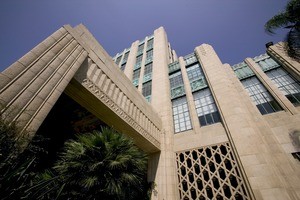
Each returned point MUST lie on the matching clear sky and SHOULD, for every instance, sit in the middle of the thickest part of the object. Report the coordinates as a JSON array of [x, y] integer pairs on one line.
[[233, 27]]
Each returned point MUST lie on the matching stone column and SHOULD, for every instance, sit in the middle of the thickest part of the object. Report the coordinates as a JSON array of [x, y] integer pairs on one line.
[[165, 174]]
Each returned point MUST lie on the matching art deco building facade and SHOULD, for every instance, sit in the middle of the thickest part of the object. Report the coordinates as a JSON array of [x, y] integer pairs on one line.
[[212, 131]]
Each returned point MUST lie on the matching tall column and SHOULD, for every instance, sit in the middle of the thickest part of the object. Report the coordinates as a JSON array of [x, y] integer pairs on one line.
[[165, 175]]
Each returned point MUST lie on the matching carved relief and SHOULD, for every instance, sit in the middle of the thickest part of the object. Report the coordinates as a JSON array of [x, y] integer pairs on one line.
[[88, 84]]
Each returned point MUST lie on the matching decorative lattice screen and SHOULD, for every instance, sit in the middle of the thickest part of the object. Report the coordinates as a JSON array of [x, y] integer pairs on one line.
[[210, 173]]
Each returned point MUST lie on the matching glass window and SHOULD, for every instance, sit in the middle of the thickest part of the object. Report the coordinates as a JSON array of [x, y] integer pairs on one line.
[[267, 64], [181, 115], [287, 84], [147, 89], [194, 72], [118, 60], [150, 44], [139, 59], [260, 96], [190, 59], [149, 54], [242, 70], [176, 79], [148, 69], [123, 67], [141, 47], [126, 56], [206, 108], [136, 74]]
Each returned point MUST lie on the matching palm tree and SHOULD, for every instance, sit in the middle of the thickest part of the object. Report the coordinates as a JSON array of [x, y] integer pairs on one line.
[[97, 165], [290, 19]]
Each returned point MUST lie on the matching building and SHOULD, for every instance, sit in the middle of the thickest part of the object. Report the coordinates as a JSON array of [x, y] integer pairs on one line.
[[212, 131]]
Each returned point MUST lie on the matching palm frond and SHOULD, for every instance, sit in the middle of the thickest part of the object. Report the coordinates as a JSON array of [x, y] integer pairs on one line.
[[278, 21], [293, 44]]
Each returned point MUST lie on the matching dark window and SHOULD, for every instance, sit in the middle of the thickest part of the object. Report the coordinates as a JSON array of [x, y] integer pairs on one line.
[[286, 83], [260, 96], [176, 79], [206, 108], [147, 88], [136, 74], [118, 60], [148, 69]]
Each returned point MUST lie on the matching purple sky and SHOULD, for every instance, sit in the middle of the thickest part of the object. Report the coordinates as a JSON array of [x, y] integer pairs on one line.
[[233, 27]]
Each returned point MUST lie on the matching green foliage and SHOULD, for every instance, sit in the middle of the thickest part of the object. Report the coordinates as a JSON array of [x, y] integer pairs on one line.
[[17, 162], [290, 19], [98, 165]]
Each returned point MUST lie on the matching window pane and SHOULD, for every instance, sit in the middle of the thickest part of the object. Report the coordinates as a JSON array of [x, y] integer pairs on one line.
[[181, 114], [206, 108], [286, 83], [261, 97], [147, 88]]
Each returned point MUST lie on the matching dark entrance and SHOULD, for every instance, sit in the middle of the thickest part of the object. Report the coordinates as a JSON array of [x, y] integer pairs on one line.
[[66, 119]]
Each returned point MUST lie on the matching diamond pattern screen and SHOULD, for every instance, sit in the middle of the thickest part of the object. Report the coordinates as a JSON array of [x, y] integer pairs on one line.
[[210, 173]]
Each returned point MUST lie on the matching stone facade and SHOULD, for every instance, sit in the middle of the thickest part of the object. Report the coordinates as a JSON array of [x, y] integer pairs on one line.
[[220, 148]]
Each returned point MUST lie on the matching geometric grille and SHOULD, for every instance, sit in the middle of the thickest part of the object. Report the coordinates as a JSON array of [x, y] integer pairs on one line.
[[210, 173]]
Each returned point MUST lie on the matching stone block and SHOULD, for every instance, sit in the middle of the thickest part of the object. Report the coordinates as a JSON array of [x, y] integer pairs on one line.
[[47, 57], [275, 194], [264, 182], [59, 33], [39, 49], [37, 66], [49, 41], [14, 70], [28, 59], [57, 48], [4, 80]]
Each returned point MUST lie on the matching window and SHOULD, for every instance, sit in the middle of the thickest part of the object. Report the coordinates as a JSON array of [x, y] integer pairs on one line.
[[206, 108], [118, 60], [147, 72], [148, 69], [260, 96], [173, 67], [147, 89], [176, 83], [126, 57], [135, 77], [123, 67], [149, 56], [194, 72], [176, 79], [140, 48], [150, 44], [242, 70], [287, 84], [136, 74], [190, 59], [196, 77], [139, 59], [256, 90], [267, 63], [181, 115]]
